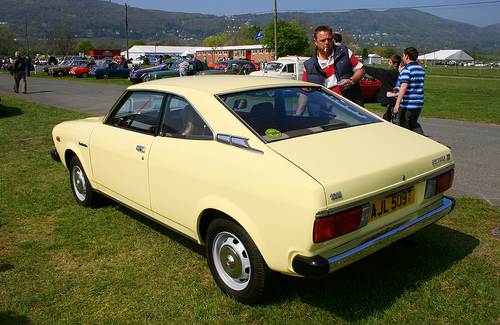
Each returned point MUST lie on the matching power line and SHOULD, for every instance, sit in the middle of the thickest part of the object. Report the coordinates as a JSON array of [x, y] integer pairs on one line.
[[386, 8]]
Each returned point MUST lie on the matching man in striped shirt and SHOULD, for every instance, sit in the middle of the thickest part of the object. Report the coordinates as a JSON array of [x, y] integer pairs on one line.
[[411, 93]]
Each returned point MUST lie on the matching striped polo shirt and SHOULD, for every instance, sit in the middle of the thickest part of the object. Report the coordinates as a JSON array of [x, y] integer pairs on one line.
[[414, 75]]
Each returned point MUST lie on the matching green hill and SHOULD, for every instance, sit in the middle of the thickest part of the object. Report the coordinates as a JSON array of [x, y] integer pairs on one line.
[[97, 19]]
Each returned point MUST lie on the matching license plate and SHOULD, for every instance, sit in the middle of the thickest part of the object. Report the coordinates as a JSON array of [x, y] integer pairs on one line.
[[389, 204]]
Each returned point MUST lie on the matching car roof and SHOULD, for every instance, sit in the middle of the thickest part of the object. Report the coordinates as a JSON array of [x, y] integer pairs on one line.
[[240, 61], [216, 84]]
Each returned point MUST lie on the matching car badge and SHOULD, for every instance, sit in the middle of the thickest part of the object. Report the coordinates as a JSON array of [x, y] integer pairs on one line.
[[336, 195], [441, 159]]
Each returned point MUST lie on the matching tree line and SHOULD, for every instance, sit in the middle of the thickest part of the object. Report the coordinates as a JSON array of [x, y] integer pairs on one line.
[[293, 39]]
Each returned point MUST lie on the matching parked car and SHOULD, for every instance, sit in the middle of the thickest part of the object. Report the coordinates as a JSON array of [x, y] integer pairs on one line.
[[174, 70], [48, 68], [288, 67], [370, 88], [83, 70], [108, 70], [143, 74], [292, 67], [226, 161], [232, 67], [62, 70]]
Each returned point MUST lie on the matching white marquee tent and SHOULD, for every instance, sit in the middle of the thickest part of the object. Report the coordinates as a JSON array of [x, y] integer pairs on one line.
[[373, 59], [446, 55]]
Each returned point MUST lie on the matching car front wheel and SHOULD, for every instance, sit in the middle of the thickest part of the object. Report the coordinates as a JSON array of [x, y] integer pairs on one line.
[[82, 190], [84, 75], [105, 76], [236, 263]]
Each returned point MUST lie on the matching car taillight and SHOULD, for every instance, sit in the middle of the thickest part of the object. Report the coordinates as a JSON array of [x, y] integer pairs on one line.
[[341, 223], [439, 184]]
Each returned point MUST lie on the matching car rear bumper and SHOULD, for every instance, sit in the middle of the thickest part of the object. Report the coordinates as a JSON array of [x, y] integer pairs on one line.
[[318, 266]]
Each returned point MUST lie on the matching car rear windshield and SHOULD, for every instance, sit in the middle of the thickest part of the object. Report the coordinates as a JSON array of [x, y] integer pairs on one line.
[[282, 113], [273, 66]]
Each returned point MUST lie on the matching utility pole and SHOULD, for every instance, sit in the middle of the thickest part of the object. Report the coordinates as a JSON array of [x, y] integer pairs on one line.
[[126, 27], [275, 31], [27, 41]]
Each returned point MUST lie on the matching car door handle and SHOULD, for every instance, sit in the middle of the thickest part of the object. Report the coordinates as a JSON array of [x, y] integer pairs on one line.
[[140, 149]]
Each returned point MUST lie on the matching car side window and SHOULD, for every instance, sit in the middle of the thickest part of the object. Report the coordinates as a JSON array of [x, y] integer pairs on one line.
[[181, 120], [139, 112]]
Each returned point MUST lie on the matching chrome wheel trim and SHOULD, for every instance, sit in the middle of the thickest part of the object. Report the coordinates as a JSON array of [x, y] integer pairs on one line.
[[231, 261], [79, 184]]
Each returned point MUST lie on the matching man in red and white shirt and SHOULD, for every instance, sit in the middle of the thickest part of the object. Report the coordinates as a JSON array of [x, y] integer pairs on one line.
[[334, 67]]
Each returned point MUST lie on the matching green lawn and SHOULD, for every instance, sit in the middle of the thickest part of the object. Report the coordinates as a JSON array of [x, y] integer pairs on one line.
[[64, 264], [463, 99]]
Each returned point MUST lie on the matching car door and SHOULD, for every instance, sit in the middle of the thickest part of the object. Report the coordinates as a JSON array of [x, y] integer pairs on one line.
[[175, 166], [114, 71], [120, 148]]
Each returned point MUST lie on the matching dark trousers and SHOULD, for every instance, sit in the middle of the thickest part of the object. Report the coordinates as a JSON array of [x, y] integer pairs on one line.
[[18, 76], [389, 115], [408, 118]]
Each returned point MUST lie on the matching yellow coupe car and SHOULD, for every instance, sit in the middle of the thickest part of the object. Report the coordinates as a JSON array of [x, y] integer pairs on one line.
[[271, 175]]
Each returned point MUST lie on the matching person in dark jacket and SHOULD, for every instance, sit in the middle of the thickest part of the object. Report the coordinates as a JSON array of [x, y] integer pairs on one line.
[[19, 72], [388, 78], [197, 65], [334, 67]]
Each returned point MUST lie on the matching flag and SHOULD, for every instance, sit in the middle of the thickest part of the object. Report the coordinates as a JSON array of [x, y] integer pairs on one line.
[[259, 35]]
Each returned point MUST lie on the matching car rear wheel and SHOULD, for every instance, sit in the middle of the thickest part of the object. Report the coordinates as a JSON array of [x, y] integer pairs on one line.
[[236, 263], [59, 74], [84, 75], [82, 190]]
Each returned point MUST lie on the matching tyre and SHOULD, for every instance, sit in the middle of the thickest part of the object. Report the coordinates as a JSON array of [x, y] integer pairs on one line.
[[236, 263], [105, 76], [146, 78], [59, 74], [82, 190], [84, 75]]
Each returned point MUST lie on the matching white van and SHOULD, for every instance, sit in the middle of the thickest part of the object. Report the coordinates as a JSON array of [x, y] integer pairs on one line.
[[288, 67]]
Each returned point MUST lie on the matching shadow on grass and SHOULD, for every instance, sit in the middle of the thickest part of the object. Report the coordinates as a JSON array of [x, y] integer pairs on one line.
[[373, 284], [158, 227], [9, 111], [11, 317], [368, 286]]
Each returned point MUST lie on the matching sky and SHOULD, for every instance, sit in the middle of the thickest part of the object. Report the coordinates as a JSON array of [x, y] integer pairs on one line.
[[480, 13]]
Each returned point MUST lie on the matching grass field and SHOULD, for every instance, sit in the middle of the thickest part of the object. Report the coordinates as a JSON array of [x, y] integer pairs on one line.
[[462, 99], [64, 264], [492, 72]]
